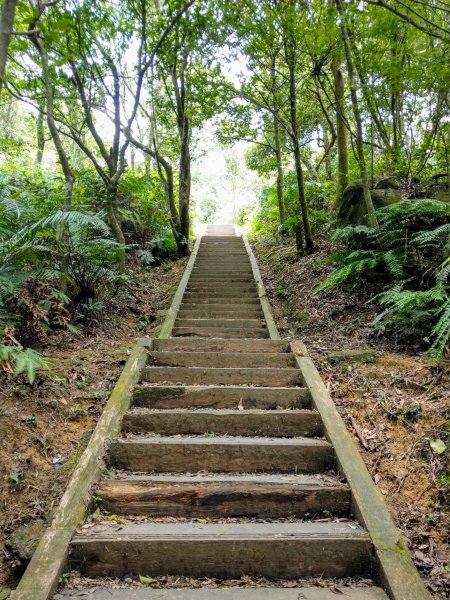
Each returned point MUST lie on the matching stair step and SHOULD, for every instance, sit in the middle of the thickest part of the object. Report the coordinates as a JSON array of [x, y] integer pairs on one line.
[[229, 307], [253, 422], [219, 280], [223, 376], [221, 359], [221, 454], [268, 398], [222, 287], [212, 345], [234, 323], [220, 332], [226, 293], [261, 496], [207, 313], [233, 268], [190, 299], [232, 593], [277, 550]]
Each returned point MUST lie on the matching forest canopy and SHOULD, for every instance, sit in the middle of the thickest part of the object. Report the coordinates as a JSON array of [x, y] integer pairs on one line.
[[343, 107]]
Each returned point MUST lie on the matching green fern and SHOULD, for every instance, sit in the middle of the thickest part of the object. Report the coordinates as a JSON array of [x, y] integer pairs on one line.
[[412, 247], [23, 361]]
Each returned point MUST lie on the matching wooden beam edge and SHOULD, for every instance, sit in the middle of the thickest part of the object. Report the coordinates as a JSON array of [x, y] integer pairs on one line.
[[394, 569], [265, 305], [169, 321], [42, 575]]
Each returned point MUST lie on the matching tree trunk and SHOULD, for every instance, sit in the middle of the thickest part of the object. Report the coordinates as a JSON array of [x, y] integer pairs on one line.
[[184, 172], [115, 224], [69, 177], [326, 145], [290, 59], [371, 215], [341, 127], [276, 133], [6, 26], [40, 137], [184, 193], [276, 129]]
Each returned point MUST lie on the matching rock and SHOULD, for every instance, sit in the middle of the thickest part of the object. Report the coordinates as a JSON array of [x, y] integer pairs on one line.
[[384, 197], [351, 208], [364, 355], [24, 539], [390, 183], [439, 194]]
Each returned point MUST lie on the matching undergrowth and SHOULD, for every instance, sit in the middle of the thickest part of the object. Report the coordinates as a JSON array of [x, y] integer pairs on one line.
[[410, 254]]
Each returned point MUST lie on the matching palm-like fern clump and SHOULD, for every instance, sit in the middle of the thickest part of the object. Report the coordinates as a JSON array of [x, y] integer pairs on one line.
[[53, 264], [412, 252]]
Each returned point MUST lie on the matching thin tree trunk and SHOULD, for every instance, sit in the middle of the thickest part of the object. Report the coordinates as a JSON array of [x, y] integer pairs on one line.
[[185, 186], [309, 244], [276, 129], [276, 133], [40, 137], [114, 221], [184, 173], [69, 177], [371, 215], [341, 127], [326, 144], [6, 27]]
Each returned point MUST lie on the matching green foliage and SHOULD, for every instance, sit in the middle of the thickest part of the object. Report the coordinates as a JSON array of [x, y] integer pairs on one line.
[[18, 361], [411, 252]]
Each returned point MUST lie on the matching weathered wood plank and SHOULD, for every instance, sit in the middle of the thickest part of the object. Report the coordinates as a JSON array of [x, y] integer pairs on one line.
[[233, 496], [278, 423], [217, 376], [233, 593], [211, 345], [221, 454], [395, 569], [221, 359], [286, 550], [223, 323], [213, 313], [268, 398], [221, 332]]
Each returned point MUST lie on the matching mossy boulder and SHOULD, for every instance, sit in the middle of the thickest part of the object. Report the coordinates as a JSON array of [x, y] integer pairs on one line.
[[351, 208], [363, 355], [24, 540]]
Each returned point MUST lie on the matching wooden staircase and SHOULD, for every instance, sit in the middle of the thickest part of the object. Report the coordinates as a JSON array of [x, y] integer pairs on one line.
[[225, 468]]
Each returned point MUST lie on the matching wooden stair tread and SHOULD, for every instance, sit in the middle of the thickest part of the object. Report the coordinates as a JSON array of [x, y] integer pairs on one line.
[[249, 531], [233, 593], [221, 496], [212, 345], [224, 376], [222, 359], [292, 480], [221, 454], [220, 332], [299, 442], [224, 550], [172, 396], [246, 422]]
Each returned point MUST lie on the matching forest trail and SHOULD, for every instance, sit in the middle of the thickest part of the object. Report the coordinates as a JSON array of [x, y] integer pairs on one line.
[[227, 464]]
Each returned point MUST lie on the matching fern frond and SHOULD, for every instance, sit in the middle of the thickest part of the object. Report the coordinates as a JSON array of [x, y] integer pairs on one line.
[[441, 331]]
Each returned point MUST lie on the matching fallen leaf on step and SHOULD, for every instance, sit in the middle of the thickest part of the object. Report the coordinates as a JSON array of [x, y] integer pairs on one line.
[[336, 590], [240, 405]]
